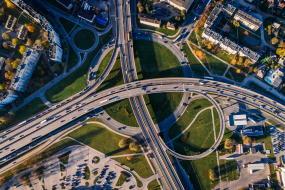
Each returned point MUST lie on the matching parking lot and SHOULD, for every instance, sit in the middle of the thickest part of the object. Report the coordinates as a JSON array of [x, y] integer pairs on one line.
[[277, 139]]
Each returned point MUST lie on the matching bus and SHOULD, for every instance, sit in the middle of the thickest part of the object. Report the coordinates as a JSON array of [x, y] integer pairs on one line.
[[209, 77], [129, 36], [22, 123]]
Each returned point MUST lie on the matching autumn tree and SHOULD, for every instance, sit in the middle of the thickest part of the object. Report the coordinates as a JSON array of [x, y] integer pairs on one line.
[[22, 49], [6, 45], [236, 23], [15, 41], [1, 13], [141, 9], [200, 54], [8, 61], [238, 71], [39, 171], [3, 180], [16, 63], [123, 143], [6, 36], [139, 5], [229, 143], [177, 18], [29, 42], [234, 61], [212, 175], [31, 28], [281, 44], [269, 27], [45, 44], [240, 61], [280, 52], [255, 69], [274, 40], [196, 29], [134, 146], [10, 4], [38, 42], [2, 87], [247, 140]]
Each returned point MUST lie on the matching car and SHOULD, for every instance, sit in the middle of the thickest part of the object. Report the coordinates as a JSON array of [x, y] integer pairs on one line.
[[12, 150], [98, 182], [11, 139], [73, 118], [22, 136]]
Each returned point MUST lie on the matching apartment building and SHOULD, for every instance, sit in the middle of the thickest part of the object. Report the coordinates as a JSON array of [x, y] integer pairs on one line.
[[7, 97], [150, 21], [25, 70], [10, 23], [55, 53], [230, 46], [212, 36], [213, 15], [248, 20]]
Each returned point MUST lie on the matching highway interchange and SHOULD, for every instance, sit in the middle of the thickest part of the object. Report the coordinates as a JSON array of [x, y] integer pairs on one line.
[[87, 101]]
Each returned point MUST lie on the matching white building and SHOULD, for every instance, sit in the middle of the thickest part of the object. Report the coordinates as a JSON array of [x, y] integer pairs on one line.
[[212, 36], [248, 20], [25, 70], [55, 53], [230, 46], [252, 167], [7, 97], [53, 37], [180, 4], [150, 21], [235, 120]]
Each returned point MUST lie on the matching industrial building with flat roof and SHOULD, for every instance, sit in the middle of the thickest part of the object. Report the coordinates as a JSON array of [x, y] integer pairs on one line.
[[25, 70], [235, 120]]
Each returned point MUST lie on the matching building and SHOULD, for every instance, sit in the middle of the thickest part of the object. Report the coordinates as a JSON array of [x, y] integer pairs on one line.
[[281, 177], [23, 31], [180, 4], [281, 5], [53, 37], [86, 15], [275, 77], [252, 131], [45, 23], [229, 10], [212, 36], [253, 56], [150, 21], [25, 70], [101, 21], [11, 21], [235, 120], [281, 61], [253, 167], [55, 53], [29, 10], [247, 20], [261, 73], [230, 46], [276, 28], [66, 3], [213, 15], [171, 25], [7, 97]]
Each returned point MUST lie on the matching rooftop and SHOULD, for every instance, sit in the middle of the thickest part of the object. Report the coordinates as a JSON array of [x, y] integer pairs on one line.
[[23, 32], [231, 44], [213, 34], [214, 14], [88, 15], [171, 25], [182, 3], [149, 19], [11, 21], [248, 18], [251, 54], [229, 8]]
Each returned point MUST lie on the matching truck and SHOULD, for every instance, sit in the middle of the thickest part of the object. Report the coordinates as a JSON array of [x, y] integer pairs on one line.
[[44, 121]]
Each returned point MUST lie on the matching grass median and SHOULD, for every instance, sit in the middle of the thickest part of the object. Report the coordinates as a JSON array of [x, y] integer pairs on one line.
[[84, 39], [153, 185], [193, 108], [67, 24], [104, 64], [72, 58], [95, 135], [153, 60], [77, 80]]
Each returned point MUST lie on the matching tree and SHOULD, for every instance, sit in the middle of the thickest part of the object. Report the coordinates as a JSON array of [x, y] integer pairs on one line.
[[10, 4], [38, 42], [274, 40], [22, 49], [16, 63], [269, 28], [236, 23], [46, 44], [164, 26], [200, 54], [182, 12], [134, 146], [238, 71], [6, 36], [8, 61], [31, 28], [29, 42], [3, 180], [280, 52], [63, 64], [212, 175], [229, 143], [3, 119], [196, 29], [141, 9], [209, 46], [15, 41], [234, 61], [147, 8], [1, 13], [123, 143], [246, 140], [281, 44], [240, 61], [55, 67], [2, 87], [6, 45], [177, 18], [24, 179], [139, 5], [39, 171], [255, 69]]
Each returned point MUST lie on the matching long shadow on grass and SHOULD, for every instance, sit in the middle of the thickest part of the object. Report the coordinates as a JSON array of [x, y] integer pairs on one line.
[[185, 148]]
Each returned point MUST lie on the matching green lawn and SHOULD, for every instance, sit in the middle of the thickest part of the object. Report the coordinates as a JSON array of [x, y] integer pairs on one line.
[[193, 38], [216, 65], [153, 60], [232, 170], [64, 159], [67, 24], [95, 135], [193, 108], [201, 136], [266, 139], [153, 185], [114, 78], [195, 65], [72, 58], [228, 134], [257, 87], [121, 180], [223, 170], [198, 171], [30, 109], [104, 64], [138, 163], [162, 105], [273, 175], [122, 112], [84, 39], [76, 81], [24, 19], [236, 76]]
